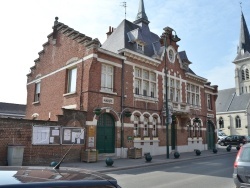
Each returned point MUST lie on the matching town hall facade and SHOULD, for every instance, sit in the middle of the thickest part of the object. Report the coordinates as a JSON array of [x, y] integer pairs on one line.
[[120, 88]]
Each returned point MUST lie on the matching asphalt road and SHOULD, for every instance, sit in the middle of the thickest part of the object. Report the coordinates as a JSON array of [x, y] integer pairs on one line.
[[208, 172]]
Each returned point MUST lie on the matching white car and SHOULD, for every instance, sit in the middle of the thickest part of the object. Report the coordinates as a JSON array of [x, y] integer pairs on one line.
[[221, 135]]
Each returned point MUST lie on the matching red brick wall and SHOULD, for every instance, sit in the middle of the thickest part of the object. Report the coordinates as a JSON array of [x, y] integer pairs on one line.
[[19, 131]]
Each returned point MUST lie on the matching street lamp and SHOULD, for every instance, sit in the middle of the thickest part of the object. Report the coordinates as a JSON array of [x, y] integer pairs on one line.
[[167, 34]]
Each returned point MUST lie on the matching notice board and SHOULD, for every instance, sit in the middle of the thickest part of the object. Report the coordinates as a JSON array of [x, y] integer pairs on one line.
[[72, 135], [45, 135]]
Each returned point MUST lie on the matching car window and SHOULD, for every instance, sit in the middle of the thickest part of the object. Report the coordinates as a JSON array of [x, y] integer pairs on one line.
[[245, 155]]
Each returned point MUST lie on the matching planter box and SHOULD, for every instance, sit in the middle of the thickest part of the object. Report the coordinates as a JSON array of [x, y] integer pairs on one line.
[[137, 138], [135, 153], [89, 156]]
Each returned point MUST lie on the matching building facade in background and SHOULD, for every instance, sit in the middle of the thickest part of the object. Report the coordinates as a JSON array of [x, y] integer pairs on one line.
[[232, 105], [121, 87]]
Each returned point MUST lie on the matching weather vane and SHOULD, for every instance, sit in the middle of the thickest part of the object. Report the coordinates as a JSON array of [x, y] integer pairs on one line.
[[240, 5], [124, 4]]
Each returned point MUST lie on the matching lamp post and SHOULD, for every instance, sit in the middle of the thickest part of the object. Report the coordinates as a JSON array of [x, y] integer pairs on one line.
[[167, 34]]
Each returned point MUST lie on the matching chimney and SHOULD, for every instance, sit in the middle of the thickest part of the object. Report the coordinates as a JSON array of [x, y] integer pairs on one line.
[[110, 31]]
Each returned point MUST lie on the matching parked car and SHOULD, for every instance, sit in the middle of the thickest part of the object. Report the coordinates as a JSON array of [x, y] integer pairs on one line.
[[233, 140], [221, 135], [29, 176], [241, 174]]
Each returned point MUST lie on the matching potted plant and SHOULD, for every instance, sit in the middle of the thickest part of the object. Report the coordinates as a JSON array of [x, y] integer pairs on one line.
[[127, 113], [97, 111]]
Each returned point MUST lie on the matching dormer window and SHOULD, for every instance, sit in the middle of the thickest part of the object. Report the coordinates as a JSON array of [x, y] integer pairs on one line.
[[140, 47]]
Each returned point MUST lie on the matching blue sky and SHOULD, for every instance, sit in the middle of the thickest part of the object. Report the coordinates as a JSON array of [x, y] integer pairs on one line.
[[209, 32]]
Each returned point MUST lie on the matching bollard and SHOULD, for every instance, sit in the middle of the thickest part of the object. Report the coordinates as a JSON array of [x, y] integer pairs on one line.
[[176, 155], [148, 157], [198, 152], [238, 147], [53, 163], [109, 161]]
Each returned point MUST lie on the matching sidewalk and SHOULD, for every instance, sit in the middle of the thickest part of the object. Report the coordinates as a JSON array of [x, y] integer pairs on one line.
[[122, 164]]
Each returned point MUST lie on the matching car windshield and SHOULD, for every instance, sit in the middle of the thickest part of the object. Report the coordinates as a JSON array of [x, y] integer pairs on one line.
[[245, 154], [222, 134]]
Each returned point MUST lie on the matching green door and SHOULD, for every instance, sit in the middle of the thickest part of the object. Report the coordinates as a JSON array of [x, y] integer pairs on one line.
[[210, 135], [105, 140]]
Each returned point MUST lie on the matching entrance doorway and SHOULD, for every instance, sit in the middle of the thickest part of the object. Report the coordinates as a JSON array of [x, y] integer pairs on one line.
[[210, 135], [105, 135]]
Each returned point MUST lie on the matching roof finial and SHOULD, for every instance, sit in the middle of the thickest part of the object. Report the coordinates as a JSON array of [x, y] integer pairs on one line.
[[124, 4], [56, 20], [240, 6]]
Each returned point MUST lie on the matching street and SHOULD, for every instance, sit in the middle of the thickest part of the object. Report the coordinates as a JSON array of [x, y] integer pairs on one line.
[[201, 173]]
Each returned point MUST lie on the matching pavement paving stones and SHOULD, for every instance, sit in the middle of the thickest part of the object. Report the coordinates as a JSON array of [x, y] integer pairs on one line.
[[125, 163]]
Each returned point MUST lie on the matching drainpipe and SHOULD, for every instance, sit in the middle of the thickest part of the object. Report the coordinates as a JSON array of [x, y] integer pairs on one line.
[[122, 105], [81, 101]]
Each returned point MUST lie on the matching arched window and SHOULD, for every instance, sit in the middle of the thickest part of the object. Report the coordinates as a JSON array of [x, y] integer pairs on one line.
[[154, 132], [242, 74], [247, 74], [238, 122], [221, 123], [136, 126], [145, 131]]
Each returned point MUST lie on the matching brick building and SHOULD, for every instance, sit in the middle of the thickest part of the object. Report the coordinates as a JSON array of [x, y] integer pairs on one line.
[[124, 74]]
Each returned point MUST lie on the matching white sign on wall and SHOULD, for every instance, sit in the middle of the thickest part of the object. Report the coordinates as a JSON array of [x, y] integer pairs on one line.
[[108, 100]]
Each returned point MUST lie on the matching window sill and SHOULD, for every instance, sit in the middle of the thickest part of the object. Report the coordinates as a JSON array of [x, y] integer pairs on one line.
[[109, 92], [37, 102], [145, 98], [67, 94]]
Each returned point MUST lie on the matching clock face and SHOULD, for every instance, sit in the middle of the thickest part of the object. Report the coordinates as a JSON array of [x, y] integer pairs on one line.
[[171, 55]]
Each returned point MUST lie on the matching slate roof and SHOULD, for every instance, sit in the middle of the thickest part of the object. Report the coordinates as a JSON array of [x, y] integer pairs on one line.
[[228, 101], [125, 35], [12, 110]]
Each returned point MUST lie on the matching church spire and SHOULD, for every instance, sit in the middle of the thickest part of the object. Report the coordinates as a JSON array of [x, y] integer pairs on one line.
[[141, 15], [244, 42]]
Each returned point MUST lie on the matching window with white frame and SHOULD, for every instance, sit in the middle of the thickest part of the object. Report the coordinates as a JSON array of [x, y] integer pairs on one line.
[[174, 90], [193, 95], [136, 126], [209, 104], [237, 122], [107, 78], [71, 86], [177, 96], [145, 83], [137, 86], [145, 88], [140, 47], [154, 132], [145, 130], [37, 92]]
